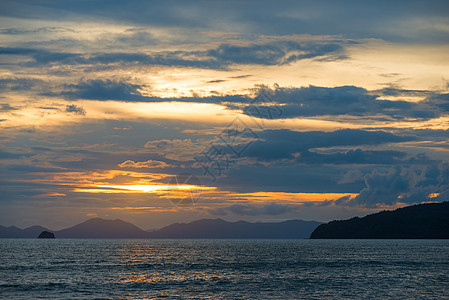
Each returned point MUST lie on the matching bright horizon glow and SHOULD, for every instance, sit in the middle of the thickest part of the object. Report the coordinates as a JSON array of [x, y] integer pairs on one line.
[[140, 188]]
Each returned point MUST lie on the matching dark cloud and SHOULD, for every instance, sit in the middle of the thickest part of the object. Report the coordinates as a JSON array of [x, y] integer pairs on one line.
[[404, 184], [19, 51], [19, 31], [439, 100], [244, 76], [11, 155], [291, 102], [383, 188], [216, 81], [84, 151], [20, 190], [40, 148], [48, 108], [75, 109], [104, 90], [324, 17], [7, 107], [251, 210], [41, 57], [284, 144], [274, 53], [402, 92], [342, 199], [18, 84], [268, 53], [357, 156], [34, 169], [291, 178], [306, 161], [344, 100]]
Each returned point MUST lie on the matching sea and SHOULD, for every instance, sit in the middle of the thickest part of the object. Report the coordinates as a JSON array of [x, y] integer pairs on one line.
[[223, 269]]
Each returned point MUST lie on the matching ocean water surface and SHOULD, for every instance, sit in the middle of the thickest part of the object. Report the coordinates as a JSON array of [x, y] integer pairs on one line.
[[223, 269]]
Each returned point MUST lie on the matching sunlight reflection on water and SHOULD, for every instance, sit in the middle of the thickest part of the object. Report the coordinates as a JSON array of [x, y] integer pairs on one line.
[[239, 269]]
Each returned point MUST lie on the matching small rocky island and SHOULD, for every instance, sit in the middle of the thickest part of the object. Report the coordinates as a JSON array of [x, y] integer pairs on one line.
[[46, 235]]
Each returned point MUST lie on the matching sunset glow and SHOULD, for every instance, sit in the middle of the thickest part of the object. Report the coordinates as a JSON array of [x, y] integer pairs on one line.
[[141, 188], [249, 111]]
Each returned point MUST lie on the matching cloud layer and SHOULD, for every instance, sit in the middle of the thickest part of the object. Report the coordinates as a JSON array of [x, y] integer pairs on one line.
[[345, 108]]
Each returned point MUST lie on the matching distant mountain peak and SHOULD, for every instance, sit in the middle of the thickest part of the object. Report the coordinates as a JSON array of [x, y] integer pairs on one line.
[[103, 228]]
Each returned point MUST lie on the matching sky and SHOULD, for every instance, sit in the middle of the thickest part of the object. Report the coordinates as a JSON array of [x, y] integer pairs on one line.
[[157, 112]]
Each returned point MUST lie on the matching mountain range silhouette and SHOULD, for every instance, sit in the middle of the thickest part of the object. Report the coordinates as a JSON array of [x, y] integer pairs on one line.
[[422, 221], [201, 229]]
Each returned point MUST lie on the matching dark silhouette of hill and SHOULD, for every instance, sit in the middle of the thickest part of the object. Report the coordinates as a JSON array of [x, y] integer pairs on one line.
[[422, 221], [103, 229], [201, 229], [15, 232], [220, 229]]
